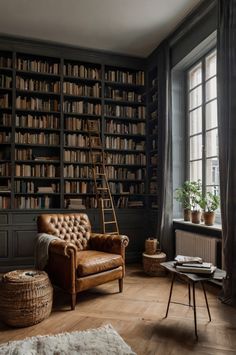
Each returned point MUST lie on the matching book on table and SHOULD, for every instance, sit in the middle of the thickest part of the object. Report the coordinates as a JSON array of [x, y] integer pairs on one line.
[[205, 268], [184, 259]]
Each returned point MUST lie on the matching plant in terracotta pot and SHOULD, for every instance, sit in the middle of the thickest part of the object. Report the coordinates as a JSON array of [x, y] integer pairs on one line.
[[195, 199], [182, 195], [209, 204]]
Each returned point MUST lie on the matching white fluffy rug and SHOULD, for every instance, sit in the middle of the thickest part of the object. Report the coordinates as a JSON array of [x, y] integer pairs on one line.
[[100, 341]]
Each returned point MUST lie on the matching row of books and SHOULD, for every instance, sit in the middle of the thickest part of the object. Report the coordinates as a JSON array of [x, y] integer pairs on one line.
[[79, 124], [39, 121], [5, 119], [82, 71], [35, 103], [79, 187], [125, 128], [23, 202], [125, 111], [131, 188], [5, 169], [122, 95], [82, 107], [5, 62], [31, 187], [5, 81], [76, 171], [129, 159], [39, 66], [4, 101], [40, 138], [124, 173], [5, 202], [82, 90], [125, 77], [37, 85], [40, 170], [5, 137], [123, 143]]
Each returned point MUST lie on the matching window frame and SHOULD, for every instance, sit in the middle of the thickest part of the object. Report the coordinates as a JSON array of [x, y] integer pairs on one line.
[[204, 130]]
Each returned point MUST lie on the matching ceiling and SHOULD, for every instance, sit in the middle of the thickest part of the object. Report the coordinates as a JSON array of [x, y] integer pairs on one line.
[[133, 27]]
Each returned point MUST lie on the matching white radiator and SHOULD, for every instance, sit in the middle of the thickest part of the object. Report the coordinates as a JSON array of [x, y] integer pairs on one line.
[[193, 244]]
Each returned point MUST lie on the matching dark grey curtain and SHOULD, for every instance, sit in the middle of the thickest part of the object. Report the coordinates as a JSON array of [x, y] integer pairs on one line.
[[227, 137], [165, 217]]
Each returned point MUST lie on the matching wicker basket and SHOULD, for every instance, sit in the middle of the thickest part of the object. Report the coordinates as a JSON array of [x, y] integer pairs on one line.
[[151, 264], [25, 297], [151, 246]]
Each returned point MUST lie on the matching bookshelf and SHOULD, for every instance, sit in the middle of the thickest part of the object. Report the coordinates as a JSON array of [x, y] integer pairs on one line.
[[48, 94], [6, 92], [125, 131], [46, 103], [153, 152]]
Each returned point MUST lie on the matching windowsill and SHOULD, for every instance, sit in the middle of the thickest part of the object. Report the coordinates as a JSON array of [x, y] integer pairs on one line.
[[216, 226]]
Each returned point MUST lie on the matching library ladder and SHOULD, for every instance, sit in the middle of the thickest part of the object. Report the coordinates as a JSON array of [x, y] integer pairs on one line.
[[102, 188]]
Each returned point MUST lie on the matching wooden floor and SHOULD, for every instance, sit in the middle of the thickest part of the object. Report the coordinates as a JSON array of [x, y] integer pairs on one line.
[[137, 315]]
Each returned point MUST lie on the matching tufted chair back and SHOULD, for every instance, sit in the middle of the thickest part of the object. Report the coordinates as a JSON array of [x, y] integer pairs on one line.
[[73, 227]]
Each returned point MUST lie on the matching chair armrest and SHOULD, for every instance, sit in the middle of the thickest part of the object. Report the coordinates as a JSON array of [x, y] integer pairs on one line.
[[61, 247], [109, 243], [62, 264]]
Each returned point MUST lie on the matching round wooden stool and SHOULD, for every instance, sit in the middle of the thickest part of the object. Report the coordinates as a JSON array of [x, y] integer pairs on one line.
[[151, 264], [25, 297]]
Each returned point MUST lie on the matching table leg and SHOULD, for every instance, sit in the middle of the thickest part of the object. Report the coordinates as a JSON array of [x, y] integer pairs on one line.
[[194, 310], [171, 288], [208, 309], [189, 294]]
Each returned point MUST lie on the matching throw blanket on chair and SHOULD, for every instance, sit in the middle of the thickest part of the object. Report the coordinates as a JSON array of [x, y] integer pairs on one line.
[[41, 249]]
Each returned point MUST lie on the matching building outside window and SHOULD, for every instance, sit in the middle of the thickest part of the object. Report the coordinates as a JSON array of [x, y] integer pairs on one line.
[[202, 124]]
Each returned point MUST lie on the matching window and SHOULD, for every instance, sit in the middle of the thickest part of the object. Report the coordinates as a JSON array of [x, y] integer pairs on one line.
[[202, 123]]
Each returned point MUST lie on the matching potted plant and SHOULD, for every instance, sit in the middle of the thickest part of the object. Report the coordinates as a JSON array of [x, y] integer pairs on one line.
[[182, 195], [195, 199], [209, 204]]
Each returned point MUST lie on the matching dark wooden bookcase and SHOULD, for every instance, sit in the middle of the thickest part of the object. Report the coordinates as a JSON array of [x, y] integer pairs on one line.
[[47, 95]]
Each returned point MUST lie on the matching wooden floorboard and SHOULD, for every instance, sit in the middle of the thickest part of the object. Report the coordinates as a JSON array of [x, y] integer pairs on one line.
[[137, 315]]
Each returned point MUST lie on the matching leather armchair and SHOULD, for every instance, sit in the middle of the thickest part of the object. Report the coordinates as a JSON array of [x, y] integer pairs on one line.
[[81, 259]]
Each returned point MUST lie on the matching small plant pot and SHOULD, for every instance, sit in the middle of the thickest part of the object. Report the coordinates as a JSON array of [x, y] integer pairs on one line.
[[196, 217], [187, 215], [209, 218]]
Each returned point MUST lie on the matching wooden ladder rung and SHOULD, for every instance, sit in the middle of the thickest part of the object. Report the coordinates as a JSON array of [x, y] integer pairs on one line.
[[102, 188], [110, 222], [107, 209]]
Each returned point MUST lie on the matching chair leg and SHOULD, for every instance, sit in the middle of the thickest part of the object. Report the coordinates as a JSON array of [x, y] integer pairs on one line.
[[120, 285], [73, 301]]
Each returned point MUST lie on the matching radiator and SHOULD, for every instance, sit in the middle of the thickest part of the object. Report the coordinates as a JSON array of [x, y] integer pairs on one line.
[[193, 244]]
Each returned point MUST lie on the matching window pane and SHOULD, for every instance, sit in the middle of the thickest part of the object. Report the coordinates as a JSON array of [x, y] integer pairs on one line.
[[212, 143], [215, 190], [211, 89], [211, 65], [211, 115], [195, 170], [195, 76], [196, 147], [195, 118], [195, 97], [212, 171]]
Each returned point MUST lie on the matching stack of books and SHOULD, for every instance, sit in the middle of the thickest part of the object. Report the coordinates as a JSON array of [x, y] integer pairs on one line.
[[45, 189], [75, 204], [135, 203], [190, 264]]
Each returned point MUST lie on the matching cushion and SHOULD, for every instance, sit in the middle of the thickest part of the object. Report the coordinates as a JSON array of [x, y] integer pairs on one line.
[[91, 262]]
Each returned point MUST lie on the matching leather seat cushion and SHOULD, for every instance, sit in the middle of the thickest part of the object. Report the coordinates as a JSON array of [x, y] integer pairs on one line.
[[91, 262]]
